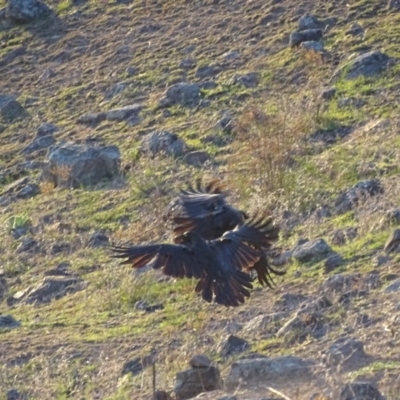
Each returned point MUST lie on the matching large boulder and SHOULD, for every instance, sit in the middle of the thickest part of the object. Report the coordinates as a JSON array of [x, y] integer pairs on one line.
[[268, 371], [78, 165], [26, 10]]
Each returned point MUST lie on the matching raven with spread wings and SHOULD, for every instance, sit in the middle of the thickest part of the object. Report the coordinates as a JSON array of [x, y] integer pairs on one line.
[[220, 265], [206, 212]]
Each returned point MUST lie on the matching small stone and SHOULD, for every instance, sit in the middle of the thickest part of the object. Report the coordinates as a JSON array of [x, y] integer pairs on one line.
[[196, 158], [123, 113], [163, 142], [232, 345], [206, 71], [360, 391], [200, 361], [185, 94], [333, 262], [134, 366], [187, 63], [91, 118], [393, 287], [328, 94], [312, 251], [98, 239], [14, 394], [342, 236], [313, 45], [42, 142], [355, 30], [24, 11], [296, 38], [345, 351], [308, 21], [8, 322], [11, 110], [27, 244], [381, 260], [46, 129], [249, 80], [393, 242], [142, 305]]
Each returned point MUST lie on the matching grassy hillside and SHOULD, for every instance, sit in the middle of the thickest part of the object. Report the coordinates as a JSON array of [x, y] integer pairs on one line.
[[290, 152]]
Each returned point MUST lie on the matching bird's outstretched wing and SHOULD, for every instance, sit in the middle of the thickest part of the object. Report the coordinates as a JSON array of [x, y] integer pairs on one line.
[[174, 260]]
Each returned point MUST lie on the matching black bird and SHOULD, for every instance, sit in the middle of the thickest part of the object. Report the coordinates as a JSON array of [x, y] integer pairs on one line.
[[219, 264], [206, 212]]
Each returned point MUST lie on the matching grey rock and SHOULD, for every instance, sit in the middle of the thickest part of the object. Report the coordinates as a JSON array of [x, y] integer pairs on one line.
[[393, 216], [393, 5], [351, 102], [123, 113], [163, 142], [27, 244], [187, 63], [232, 345], [114, 90], [249, 80], [380, 260], [225, 124], [51, 288], [62, 247], [261, 323], [312, 251], [206, 71], [74, 165], [393, 287], [308, 21], [296, 38], [42, 142], [131, 71], [14, 394], [360, 391], [28, 191], [98, 239], [196, 158], [184, 94], [208, 85], [91, 118], [328, 93], [269, 371], [232, 327], [368, 64], [392, 244], [342, 236], [229, 397], [338, 283], [355, 30], [200, 361], [283, 259], [46, 129], [143, 305], [20, 231], [345, 351], [362, 190], [313, 45], [231, 55], [61, 269], [290, 301], [194, 381], [11, 110], [8, 322], [333, 262], [134, 366], [23, 11]]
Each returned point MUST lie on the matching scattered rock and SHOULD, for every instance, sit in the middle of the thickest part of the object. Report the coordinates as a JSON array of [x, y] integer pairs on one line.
[[355, 30], [194, 381], [42, 142], [269, 371], [74, 165], [362, 190], [10, 109], [28, 191], [196, 158], [345, 352], [162, 395], [290, 301], [225, 124], [231, 55], [312, 251], [51, 288], [8, 322], [200, 361], [61, 247], [27, 244], [143, 305], [134, 366], [333, 262], [114, 90], [328, 93], [393, 287], [360, 391], [380, 260], [313, 45], [393, 216], [20, 231], [393, 242], [296, 38], [46, 129], [393, 5], [351, 102], [163, 142], [24, 11], [232, 345], [338, 283], [261, 323], [187, 63], [368, 64], [185, 94], [123, 113], [14, 394], [308, 21], [61, 269], [98, 239], [342, 236], [206, 71], [91, 118], [249, 80]]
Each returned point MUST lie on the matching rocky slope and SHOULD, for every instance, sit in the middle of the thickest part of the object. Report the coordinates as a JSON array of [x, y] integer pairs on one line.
[[108, 108]]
